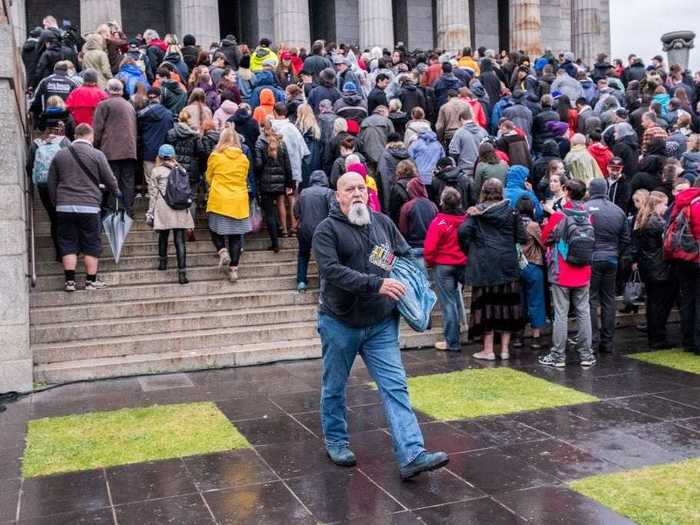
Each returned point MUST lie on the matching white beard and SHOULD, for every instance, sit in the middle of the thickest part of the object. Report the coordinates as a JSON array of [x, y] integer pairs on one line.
[[359, 214]]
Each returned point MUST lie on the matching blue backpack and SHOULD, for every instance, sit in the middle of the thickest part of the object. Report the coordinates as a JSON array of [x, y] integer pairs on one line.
[[43, 156], [417, 304]]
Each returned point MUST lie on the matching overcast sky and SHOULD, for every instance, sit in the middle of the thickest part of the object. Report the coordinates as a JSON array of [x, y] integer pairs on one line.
[[637, 25]]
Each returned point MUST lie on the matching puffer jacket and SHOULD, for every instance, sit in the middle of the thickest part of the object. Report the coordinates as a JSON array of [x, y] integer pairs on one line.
[[540, 132], [488, 240], [426, 152], [444, 84], [188, 148], [648, 251], [561, 272], [313, 205], [259, 56], [272, 175], [246, 126], [172, 96], [230, 49], [224, 113], [411, 97], [326, 89], [351, 107], [130, 75], [82, 103], [394, 153], [176, 60], [612, 237], [374, 132]]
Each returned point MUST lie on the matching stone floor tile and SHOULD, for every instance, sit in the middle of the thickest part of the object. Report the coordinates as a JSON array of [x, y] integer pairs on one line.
[[98, 517], [10, 462], [296, 458], [9, 498], [274, 429], [658, 407], [142, 481], [484, 510], [252, 407], [227, 469], [188, 509]]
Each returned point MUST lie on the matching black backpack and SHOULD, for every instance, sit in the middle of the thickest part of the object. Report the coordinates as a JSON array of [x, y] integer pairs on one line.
[[576, 238], [178, 194]]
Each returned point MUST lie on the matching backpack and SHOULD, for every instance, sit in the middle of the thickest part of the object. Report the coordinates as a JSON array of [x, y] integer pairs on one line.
[[43, 156], [178, 194], [679, 242], [576, 238]]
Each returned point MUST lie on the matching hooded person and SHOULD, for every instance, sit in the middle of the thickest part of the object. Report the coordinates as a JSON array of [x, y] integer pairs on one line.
[[130, 75], [227, 109], [30, 54], [264, 110], [190, 51], [549, 152], [310, 209], [246, 125], [448, 174], [515, 189], [326, 90], [426, 151], [262, 54], [580, 163], [229, 47], [351, 106], [416, 215], [626, 146], [373, 202], [95, 57]]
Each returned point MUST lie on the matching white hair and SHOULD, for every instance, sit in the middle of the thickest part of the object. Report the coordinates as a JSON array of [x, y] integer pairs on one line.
[[358, 214], [352, 159], [150, 34]]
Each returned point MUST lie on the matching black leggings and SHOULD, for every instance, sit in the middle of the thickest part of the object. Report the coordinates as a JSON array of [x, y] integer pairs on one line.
[[268, 201], [180, 249], [51, 211], [235, 243]]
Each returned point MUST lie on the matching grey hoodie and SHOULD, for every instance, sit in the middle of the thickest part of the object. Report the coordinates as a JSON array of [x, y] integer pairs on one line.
[[313, 205], [464, 146]]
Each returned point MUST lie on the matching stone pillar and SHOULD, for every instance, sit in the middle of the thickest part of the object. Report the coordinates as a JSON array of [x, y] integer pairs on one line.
[[291, 23], [585, 30], [605, 27], [677, 45], [16, 355], [96, 12], [200, 18], [376, 24], [526, 27], [18, 19], [453, 25]]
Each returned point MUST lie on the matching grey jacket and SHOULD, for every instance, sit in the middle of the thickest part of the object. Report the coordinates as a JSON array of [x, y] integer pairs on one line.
[[374, 133], [115, 128], [313, 205], [612, 237], [69, 185], [464, 146]]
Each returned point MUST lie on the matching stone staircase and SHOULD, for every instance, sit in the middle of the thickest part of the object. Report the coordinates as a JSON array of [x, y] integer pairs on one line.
[[145, 322]]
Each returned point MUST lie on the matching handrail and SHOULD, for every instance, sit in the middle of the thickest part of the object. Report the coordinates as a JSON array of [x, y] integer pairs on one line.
[[32, 238]]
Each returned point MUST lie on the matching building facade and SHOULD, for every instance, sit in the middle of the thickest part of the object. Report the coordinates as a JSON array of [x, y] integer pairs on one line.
[[581, 26]]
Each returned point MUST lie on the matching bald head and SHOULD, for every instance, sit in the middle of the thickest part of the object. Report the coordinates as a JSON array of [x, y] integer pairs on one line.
[[578, 139], [351, 190]]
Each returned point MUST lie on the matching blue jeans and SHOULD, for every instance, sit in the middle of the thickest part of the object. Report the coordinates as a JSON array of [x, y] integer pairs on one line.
[[447, 281], [379, 347], [532, 279]]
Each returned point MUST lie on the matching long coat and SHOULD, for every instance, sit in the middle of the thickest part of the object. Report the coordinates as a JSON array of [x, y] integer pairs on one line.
[[164, 217]]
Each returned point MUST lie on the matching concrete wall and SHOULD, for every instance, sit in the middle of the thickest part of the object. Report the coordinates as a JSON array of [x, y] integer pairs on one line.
[[61, 9], [146, 14], [556, 24], [347, 21], [486, 24], [15, 354]]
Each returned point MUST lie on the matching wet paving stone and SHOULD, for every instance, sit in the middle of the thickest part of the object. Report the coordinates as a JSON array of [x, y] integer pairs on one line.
[[551, 505], [296, 458], [356, 423], [658, 407], [493, 471], [499, 430], [76, 492], [98, 517], [274, 429], [180, 509], [681, 442], [271, 503], [248, 408], [10, 463], [227, 469], [11, 435], [484, 510], [448, 438], [370, 447], [691, 424], [689, 396], [9, 497], [398, 518], [347, 494], [143, 481]]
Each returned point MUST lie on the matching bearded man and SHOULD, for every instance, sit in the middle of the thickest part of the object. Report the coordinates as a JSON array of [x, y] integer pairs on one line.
[[355, 249]]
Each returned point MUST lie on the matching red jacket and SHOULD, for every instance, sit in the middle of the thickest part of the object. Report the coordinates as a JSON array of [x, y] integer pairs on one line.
[[683, 200], [602, 155], [568, 276], [82, 101], [441, 245], [477, 111]]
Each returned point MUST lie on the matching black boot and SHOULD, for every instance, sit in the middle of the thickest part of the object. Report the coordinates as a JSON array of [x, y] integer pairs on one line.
[[181, 252], [163, 250]]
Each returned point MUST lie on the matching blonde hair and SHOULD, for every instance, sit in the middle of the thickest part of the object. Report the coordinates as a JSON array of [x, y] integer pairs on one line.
[[642, 195], [339, 125], [649, 208], [184, 117], [54, 101], [694, 142], [273, 139], [306, 121], [228, 139]]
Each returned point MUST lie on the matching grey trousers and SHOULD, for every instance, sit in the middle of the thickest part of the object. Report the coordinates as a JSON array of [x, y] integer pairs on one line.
[[561, 298]]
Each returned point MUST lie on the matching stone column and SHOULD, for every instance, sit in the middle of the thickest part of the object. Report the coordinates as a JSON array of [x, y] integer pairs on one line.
[[376, 24], [16, 355], [18, 19], [585, 30], [96, 12], [200, 18], [453, 25], [291, 23], [526, 27]]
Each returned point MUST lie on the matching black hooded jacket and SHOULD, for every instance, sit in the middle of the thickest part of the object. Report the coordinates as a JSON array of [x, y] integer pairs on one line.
[[350, 283], [229, 47], [454, 178], [273, 175], [247, 126]]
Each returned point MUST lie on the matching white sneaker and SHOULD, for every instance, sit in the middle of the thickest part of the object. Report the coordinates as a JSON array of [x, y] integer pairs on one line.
[[95, 285], [224, 260], [69, 286], [233, 274]]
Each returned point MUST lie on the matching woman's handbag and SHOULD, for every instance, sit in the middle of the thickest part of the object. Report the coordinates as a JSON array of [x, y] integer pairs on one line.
[[633, 289]]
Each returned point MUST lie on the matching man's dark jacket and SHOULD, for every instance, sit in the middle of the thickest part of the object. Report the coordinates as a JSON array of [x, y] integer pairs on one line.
[[350, 283], [612, 237]]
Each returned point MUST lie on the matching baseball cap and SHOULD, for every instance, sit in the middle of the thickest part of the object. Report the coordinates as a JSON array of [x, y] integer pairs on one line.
[[166, 151], [616, 162]]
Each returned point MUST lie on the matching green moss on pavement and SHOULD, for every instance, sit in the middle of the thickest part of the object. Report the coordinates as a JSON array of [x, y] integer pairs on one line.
[[677, 359], [658, 495], [131, 435], [486, 392]]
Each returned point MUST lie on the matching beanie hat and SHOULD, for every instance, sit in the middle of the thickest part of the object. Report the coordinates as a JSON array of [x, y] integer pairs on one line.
[[90, 75], [599, 186], [166, 151], [349, 87], [189, 40]]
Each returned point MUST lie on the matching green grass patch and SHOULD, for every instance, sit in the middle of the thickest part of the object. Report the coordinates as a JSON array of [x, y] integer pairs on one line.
[[486, 392], [658, 495], [677, 359], [130, 435]]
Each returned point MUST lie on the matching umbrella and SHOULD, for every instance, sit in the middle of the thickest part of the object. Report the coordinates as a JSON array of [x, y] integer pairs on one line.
[[117, 225]]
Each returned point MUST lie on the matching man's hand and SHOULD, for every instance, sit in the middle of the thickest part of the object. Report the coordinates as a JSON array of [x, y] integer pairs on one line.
[[392, 288]]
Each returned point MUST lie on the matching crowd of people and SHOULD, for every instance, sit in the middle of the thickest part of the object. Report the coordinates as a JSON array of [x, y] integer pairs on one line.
[[542, 183]]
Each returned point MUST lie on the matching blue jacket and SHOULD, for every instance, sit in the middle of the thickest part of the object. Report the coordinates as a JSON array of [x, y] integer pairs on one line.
[[443, 85], [130, 74], [515, 189], [426, 151], [497, 112], [265, 79], [154, 121]]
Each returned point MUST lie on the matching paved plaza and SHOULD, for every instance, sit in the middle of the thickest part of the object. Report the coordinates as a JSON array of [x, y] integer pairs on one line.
[[511, 468]]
